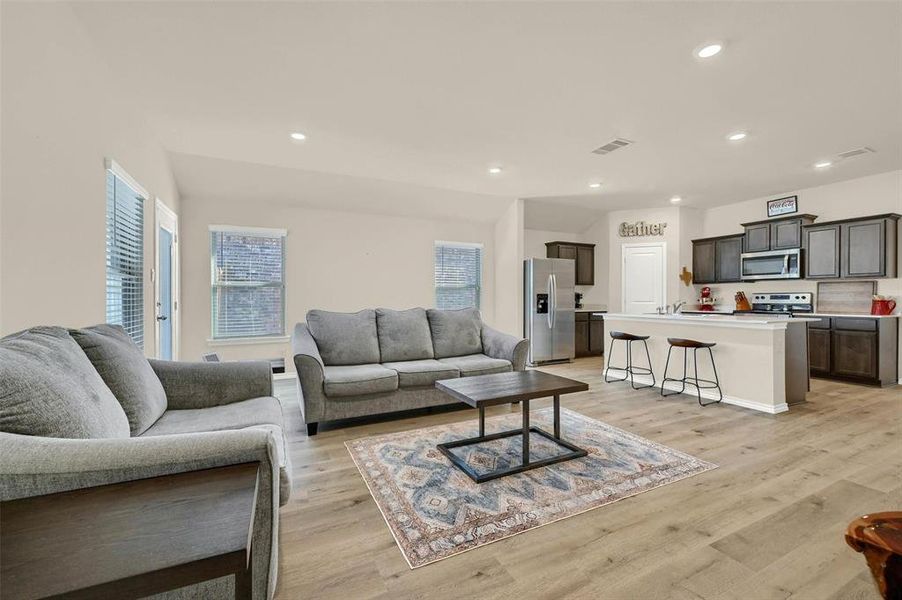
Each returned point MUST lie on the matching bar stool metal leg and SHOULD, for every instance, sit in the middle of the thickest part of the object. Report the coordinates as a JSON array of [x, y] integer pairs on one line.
[[696, 380], [629, 370]]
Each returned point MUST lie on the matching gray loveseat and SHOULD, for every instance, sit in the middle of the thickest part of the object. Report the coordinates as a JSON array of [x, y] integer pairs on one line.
[[382, 361], [82, 408]]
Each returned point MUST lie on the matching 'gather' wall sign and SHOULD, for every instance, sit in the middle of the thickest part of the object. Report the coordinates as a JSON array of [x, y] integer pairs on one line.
[[641, 228]]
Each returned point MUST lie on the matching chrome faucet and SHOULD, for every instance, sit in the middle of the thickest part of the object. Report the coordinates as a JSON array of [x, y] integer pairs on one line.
[[677, 306]]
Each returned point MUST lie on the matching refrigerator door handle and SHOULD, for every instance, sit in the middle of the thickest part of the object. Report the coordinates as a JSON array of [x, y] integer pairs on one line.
[[548, 290], [553, 295]]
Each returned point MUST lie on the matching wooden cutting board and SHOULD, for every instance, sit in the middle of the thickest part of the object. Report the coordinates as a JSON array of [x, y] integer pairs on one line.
[[845, 297]]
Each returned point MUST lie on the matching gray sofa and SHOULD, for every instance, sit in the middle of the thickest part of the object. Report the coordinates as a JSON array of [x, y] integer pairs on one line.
[[82, 408], [382, 361]]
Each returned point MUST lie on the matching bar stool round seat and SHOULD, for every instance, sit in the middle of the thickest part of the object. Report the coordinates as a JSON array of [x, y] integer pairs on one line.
[[700, 384], [628, 337], [684, 343], [629, 370]]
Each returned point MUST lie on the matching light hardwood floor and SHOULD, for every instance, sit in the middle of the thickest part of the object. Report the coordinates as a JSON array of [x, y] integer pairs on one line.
[[767, 524]]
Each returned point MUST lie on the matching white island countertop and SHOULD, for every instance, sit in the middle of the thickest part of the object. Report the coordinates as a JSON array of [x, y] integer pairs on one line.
[[716, 320]]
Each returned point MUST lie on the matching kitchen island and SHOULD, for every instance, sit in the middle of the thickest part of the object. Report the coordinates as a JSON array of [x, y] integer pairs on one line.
[[762, 361]]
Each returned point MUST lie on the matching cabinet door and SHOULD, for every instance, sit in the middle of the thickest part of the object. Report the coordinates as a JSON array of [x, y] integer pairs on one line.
[[728, 265], [585, 265], [596, 336], [822, 252], [582, 338], [566, 252], [855, 354], [819, 351], [786, 234], [864, 248], [703, 253], [757, 238]]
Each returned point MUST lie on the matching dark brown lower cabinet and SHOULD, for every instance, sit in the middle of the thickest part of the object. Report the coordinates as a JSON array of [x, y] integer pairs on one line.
[[589, 337], [859, 349]]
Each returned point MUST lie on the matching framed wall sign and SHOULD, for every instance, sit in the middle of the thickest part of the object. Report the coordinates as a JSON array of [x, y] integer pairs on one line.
[[782, 206]]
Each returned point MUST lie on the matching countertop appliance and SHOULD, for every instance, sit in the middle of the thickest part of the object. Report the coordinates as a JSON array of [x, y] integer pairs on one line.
[[578, 298], [775, 264], [788, 303], [549, 313]]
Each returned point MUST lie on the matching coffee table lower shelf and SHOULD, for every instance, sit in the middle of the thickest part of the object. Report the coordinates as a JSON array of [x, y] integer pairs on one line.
[[574, 452]]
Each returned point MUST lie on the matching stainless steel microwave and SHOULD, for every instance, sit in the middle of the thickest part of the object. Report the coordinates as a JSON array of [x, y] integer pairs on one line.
[[777, 264]]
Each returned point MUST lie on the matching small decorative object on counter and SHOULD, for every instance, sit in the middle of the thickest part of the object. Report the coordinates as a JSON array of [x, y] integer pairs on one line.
[[742, 303], [881, 305], [706, 302]]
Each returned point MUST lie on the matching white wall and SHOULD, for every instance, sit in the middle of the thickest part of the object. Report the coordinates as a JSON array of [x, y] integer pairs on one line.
[[62, 114], [509, 248], [335, 260]]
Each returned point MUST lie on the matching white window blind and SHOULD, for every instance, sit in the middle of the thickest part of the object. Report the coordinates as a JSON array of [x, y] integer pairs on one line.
[[125, 255], [458, 275], [248, 282]]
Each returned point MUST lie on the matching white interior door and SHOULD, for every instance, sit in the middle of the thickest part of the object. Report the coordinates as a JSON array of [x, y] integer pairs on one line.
[[643, 277], [166, 283]]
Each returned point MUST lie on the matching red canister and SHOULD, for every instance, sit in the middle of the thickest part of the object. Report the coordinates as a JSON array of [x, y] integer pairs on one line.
[[883, 307]]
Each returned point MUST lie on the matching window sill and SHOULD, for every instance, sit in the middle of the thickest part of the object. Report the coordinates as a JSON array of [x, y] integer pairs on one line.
[[276, 339]]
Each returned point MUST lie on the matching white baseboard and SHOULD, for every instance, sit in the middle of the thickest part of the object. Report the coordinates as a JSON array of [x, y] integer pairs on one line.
[[713, 395]]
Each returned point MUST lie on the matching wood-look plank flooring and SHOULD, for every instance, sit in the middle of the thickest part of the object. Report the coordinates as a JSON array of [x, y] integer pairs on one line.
[[768, 524]]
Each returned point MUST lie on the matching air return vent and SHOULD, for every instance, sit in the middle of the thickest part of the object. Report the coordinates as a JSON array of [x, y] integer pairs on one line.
[[856, 152], [615, 144]]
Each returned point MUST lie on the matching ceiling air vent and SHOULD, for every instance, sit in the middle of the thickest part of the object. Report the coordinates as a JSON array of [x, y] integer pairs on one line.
[[615, 144], [856, 152]]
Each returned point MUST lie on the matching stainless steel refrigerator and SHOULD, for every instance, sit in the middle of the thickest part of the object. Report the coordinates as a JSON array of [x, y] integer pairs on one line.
[[549, 312]]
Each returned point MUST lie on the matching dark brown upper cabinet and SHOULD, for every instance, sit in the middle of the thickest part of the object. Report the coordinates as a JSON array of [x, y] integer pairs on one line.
[[717, 260], [775, 234], [583, 254], [865, 247]]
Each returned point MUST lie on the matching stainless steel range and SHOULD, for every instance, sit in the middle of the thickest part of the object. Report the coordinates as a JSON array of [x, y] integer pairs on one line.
[[787, 303]]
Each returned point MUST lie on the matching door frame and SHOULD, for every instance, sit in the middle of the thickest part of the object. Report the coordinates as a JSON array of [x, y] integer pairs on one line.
[[623, 247], [166, 218]]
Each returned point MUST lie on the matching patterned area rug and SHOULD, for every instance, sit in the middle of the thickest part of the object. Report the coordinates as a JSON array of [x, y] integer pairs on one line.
[[435, 511]]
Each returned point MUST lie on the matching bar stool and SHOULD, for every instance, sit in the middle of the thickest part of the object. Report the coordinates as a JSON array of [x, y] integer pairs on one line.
[[693, 345], [629, 369]]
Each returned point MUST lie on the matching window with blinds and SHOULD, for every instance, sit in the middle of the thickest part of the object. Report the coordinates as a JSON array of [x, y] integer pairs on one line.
[[248, 282], [125, 255], [458, 275]]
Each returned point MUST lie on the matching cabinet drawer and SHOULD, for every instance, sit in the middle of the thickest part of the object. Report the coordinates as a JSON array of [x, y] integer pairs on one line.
[[824, 323], [582, 316], [850, 324]]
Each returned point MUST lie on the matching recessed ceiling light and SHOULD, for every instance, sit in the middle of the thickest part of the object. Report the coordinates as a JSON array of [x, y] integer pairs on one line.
[[676, 200], [823, 164], [494, 170], [735, 137], [297, 135], [595, 185], [709, 50]]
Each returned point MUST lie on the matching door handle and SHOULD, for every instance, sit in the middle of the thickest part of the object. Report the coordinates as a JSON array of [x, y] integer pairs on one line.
[[550, 289], [554, 300], [162, 318]]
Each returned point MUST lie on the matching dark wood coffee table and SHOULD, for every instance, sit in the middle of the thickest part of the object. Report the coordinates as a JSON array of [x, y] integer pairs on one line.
[[503, 388], [131, 539]]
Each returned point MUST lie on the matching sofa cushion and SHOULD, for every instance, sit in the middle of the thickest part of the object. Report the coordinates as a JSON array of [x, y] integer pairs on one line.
[[265, 410], [126, 372], [478, 364], [403, 334], [414, 373], [49, 388], [345, 338], [356, 380], [455, 332]]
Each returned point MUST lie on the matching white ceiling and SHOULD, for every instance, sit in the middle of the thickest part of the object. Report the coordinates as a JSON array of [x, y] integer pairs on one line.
[[434, 93]]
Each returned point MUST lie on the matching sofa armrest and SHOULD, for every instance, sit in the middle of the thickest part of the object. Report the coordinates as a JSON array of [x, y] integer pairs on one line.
[[202, 385], [509, 347], [34, 466], [310, 371]]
